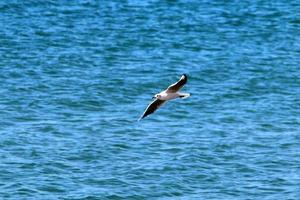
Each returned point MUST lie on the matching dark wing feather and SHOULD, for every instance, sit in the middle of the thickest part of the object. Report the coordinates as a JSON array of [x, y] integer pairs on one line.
[[178, 85], [152, 107]]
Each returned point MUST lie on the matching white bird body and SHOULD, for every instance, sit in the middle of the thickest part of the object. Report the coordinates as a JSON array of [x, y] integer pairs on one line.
[[164, 95]]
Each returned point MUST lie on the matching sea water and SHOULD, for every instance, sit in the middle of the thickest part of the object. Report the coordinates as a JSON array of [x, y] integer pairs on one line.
[[75, 76]]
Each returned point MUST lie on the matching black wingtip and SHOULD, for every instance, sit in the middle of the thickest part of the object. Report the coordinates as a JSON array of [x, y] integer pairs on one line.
[[142, 117], [185, 77]]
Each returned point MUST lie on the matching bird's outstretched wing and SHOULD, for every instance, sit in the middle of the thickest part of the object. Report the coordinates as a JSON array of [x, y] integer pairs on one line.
[[152, 107], [178, 85]]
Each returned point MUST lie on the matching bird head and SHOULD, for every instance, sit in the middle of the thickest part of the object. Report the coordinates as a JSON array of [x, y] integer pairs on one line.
[[157, 96]]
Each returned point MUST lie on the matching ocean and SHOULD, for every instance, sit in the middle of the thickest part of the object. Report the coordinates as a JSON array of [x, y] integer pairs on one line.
[[75, 76]]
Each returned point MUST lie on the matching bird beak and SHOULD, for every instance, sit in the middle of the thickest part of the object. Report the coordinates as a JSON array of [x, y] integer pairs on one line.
[[153, 97]]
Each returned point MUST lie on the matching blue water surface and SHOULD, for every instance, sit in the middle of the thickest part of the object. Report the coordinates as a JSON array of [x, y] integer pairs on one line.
[[76, 75]]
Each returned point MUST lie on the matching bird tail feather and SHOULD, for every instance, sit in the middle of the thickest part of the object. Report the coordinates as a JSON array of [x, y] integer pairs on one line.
[[184, 95]]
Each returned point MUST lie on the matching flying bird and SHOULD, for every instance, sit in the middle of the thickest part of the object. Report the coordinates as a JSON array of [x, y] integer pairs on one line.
[[172, 92]]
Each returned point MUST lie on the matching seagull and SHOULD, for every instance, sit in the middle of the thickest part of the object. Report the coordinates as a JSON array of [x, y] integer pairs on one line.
[[172, 92]]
